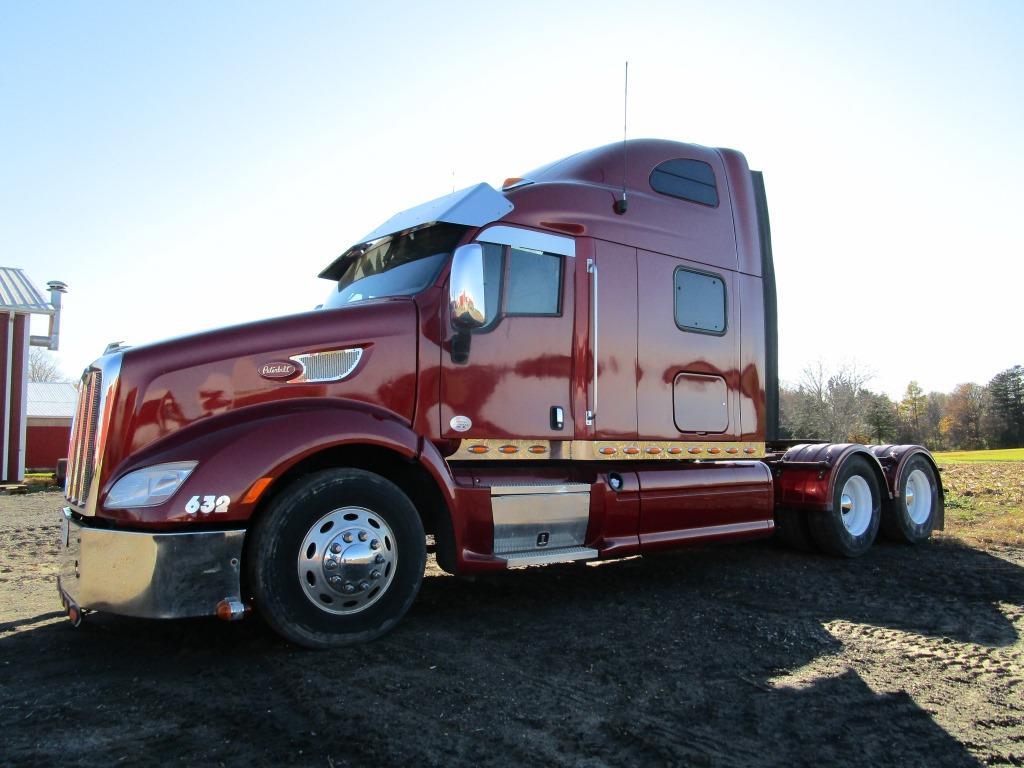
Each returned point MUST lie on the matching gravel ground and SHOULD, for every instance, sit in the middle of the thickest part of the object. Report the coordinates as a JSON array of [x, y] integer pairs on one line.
[[744, 655]]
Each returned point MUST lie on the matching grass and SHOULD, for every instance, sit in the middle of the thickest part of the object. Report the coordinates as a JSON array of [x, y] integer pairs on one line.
[[960, 457], [985, 501]]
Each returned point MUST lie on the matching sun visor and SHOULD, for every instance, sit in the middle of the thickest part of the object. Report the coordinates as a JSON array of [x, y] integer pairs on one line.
[[471, 207]]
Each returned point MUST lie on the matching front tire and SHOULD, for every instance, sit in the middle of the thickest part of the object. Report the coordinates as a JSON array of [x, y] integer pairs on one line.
[[337, 559], [850, 528]]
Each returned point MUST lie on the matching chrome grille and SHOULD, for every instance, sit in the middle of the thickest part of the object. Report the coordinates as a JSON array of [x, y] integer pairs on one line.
[[327, 366], [82, 450]]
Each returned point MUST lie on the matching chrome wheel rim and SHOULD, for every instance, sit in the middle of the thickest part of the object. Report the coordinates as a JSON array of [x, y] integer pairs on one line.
[[856, 505], [347, 560], [918, 497]]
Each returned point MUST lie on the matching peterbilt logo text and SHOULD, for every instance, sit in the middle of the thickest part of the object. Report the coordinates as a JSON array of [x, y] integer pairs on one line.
[[280, 369]]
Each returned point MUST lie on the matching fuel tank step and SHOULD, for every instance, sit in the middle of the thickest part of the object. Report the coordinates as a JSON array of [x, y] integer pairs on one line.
[[546, 556]]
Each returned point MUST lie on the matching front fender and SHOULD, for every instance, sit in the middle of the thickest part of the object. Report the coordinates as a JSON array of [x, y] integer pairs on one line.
[[234, 454]]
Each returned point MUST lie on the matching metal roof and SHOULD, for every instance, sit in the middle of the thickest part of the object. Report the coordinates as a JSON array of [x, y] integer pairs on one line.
[[19, 294], [51, 400]]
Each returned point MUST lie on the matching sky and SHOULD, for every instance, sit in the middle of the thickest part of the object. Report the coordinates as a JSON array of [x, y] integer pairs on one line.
[[187, 165]]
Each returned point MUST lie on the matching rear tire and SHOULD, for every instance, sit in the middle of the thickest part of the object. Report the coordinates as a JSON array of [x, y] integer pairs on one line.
[[337, 559], [850, 528], [910, 517], [793, 528]]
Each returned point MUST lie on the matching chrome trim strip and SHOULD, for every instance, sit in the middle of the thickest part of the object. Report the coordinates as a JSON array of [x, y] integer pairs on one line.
[[613, 450], [591, 415], [527, 489], [528, 239], [149, 575]]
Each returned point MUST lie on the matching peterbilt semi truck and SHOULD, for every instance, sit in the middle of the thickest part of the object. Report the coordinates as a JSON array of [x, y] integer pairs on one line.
[[579, 366]]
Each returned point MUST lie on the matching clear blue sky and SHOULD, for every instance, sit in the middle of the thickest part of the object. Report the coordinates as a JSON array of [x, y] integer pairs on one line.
[[188, 165]]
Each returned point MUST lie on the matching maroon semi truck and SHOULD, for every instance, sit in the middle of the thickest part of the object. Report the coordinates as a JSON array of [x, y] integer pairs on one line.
[[580, 366]]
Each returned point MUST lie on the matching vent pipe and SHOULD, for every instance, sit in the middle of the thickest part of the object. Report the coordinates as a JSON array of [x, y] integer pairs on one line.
[[52, 341]]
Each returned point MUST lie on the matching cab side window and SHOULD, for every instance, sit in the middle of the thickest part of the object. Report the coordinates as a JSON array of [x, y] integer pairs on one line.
[[534, 283]]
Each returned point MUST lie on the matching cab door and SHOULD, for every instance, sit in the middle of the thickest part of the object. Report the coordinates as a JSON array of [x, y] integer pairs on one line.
[[516, 378]]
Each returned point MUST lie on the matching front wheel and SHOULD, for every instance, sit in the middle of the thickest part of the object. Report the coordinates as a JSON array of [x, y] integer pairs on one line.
[[337, 559]]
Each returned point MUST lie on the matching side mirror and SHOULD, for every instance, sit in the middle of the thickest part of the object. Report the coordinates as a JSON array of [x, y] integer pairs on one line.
[[466, 288]]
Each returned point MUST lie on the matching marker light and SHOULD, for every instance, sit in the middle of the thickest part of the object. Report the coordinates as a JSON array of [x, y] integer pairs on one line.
[[150, 486]]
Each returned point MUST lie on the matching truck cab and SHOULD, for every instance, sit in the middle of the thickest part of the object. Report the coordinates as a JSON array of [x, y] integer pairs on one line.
[[578, 366]]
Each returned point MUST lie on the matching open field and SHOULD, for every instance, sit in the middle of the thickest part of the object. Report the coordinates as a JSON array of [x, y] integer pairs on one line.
[[985, 502], [741, 655], [960, 457]]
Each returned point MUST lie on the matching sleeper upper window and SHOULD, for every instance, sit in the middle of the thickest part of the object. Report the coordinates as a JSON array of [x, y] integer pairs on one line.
[[692, 180]]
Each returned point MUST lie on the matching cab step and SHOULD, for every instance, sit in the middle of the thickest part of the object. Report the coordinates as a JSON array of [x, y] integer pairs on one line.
[[547, 556]]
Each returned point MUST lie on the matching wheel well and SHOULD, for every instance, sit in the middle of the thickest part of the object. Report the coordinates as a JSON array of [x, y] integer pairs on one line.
[[876, 468], [408, 474]]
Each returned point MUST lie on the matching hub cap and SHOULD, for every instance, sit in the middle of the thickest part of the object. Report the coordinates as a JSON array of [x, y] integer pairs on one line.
[[856, 506], [918, 496], [347, 560]]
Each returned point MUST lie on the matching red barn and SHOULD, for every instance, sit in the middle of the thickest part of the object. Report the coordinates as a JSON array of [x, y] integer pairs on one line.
[[51, 407]]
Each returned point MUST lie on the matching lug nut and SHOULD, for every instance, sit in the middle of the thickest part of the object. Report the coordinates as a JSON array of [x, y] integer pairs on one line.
[[375, 574], [335, 548], [330, 565], [349, 588], [378, 559], [347, 538], [363, 535], [364, 585], [335, 580], [374, 544]]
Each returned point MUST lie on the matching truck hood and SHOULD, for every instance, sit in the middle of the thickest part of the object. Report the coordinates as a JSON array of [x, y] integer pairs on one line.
[[176, 384]]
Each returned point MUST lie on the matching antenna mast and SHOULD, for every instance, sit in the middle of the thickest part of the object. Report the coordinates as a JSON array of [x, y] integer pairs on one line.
[[622, 205]]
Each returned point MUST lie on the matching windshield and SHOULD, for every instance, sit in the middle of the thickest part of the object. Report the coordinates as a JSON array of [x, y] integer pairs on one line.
[[399, 266]]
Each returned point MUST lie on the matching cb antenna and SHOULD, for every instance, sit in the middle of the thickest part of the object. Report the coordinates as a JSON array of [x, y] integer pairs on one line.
[[622, 204]]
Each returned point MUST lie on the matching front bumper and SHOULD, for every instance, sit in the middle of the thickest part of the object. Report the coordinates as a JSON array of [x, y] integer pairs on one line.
[[148, 575]]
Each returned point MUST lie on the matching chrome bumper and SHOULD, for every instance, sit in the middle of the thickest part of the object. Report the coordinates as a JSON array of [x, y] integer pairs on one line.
[[148, 575]]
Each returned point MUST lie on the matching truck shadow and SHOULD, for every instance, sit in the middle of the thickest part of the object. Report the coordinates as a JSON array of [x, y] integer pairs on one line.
[[713, 656]]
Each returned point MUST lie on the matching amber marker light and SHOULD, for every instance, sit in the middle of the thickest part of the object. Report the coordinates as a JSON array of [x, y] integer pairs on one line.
[[695, 450], [675, 450], [478, 449], [508, 449], [714, 450], [631, 450], [732, 450], [256, 490], [654, 450], [607, 450], [750, 450], [537, 449]]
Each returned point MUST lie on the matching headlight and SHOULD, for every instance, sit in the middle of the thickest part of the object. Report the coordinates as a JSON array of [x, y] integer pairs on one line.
[[150, 486]]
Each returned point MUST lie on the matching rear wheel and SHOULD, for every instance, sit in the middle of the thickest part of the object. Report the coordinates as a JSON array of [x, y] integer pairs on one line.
[[850, 528], [337, 559], [910, 517]]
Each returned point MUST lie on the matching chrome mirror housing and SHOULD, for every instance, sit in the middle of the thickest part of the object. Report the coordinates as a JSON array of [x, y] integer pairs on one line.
[[466, 288]]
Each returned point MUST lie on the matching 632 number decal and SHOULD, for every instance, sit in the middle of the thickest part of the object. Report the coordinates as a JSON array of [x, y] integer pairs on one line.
[[207, 504]]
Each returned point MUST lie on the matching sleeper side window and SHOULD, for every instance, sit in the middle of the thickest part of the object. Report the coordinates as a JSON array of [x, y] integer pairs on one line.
[[534, 283], [699, 301]]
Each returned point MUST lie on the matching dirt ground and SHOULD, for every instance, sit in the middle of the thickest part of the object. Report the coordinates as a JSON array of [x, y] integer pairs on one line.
[[741, 655]]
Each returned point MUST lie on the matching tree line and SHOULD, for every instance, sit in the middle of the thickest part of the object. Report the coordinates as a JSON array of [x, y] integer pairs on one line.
[[836, 405]]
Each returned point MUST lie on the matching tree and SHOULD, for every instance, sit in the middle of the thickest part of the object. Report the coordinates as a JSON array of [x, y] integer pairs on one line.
[[42, 366], [826, 405], [882, 418], [912, 411], [964, 411], [1005, 422]]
